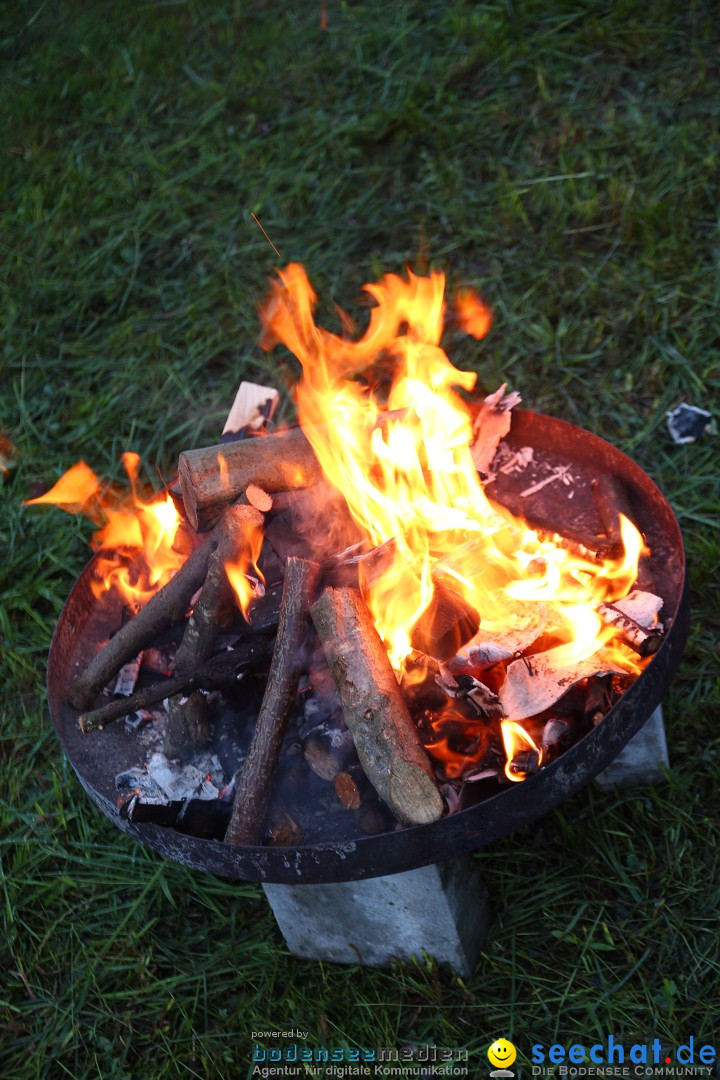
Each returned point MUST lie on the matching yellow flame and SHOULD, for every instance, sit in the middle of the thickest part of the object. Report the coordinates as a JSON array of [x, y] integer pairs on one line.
[[243, 565], [516, 740], [408, 475], [127, 523]]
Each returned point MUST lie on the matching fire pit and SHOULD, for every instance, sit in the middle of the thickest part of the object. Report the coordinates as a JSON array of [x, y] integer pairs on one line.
[[292, 731], [453, 617]]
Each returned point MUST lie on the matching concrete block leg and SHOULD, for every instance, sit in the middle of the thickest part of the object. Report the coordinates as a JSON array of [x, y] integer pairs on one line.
[[642, 760], [441, 910]]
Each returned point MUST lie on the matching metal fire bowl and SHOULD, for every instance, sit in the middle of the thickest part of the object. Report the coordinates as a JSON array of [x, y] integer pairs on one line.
[[98, 756]]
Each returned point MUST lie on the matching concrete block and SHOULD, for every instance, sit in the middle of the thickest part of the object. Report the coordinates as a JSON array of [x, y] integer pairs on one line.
[[441, 910], [642, 760]]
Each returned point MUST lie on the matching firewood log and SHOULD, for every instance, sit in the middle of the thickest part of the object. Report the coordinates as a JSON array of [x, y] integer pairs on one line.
[[253, 782], [221, 672], [188, 724], [213, 476], [387, 742]]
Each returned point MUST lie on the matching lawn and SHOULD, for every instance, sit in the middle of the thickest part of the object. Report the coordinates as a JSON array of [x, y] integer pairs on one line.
[[563, 159]]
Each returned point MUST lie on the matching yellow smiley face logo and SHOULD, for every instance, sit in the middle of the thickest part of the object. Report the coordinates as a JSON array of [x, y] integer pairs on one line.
[[502, 1053]]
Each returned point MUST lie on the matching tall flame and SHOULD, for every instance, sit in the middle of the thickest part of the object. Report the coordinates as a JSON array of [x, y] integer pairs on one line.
[[127, 523], [408, 475]]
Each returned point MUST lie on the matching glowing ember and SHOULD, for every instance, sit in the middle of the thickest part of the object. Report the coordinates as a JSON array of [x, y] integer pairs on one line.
[[128, 524]]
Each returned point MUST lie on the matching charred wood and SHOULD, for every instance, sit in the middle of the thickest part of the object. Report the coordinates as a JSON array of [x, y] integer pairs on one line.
[[222, 672], [586, 545], [188, 724], [611, 500], [447, 624]]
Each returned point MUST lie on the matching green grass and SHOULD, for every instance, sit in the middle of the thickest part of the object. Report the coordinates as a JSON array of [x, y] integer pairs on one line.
[[562, 158]]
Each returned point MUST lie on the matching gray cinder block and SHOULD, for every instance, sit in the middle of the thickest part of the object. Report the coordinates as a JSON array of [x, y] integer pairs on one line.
[[441, 910], [642, 760]]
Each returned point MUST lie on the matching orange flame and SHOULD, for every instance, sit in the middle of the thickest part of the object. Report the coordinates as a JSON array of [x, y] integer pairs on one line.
[[246, 579], [128, 524], [474, 316], [408, 476], [452, 762], [516, 740]]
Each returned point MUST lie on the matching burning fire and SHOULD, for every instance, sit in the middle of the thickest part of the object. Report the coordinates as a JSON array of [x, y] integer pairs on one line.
[[246, 579], [404, 465], [523, 756], [402, 459], [128, 524], [408, 475]]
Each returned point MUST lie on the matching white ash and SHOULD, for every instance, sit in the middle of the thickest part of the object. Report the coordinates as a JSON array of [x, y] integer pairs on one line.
[[554, 732], [138, 719], [481, 655], [559, 473], [162, 778], [508, 461]]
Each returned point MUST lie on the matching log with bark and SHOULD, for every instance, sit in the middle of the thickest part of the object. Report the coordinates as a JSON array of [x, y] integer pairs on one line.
[[386, 739], [213, 476], [253, 782]]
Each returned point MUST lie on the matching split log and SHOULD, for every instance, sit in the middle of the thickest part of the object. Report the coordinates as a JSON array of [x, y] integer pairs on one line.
[[253, 782], [213, 476], [386, 739], [611, 500], [447, 624], [167, 606], [222, 672]]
